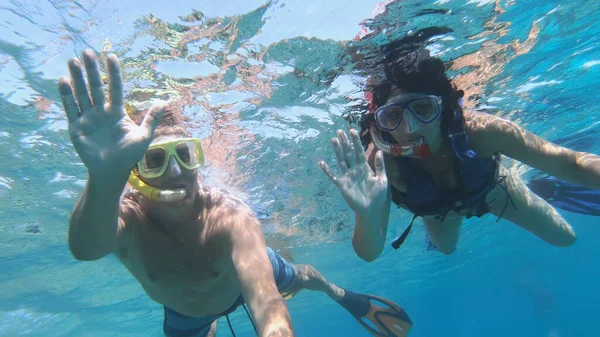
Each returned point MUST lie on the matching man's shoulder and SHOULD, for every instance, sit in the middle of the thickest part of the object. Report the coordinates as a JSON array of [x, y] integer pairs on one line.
[[220, 194], [215, 199], [226, 215]]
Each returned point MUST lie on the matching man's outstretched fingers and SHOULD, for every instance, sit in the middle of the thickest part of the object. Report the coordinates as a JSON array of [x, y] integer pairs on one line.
[[78, 83], [68, 101], [115, 82], [153, 117], [94, 79]]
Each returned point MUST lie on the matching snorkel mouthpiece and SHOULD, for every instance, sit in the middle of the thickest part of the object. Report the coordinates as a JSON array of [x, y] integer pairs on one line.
[[171, 195], [154, 193], [419, 150]]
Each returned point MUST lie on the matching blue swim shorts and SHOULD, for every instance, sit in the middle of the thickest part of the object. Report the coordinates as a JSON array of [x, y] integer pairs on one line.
[[180, 325]]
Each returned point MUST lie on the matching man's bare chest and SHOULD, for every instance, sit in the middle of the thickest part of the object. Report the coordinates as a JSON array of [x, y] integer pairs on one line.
[[192, 276]]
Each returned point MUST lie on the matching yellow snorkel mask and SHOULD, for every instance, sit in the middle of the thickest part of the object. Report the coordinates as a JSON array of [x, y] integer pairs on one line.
[[187, 151]]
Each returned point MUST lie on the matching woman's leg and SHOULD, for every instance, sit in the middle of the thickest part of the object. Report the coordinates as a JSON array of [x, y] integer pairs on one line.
[[443, 234], [530, 212]]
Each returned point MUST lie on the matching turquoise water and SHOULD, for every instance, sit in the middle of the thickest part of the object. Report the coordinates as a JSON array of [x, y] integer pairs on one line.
[[265, 85]]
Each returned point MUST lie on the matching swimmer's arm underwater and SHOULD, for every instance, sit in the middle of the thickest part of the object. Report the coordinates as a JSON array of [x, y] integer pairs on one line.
[[109, 143], [255, 273], [370, 233], [95, 222], [366, 190], [503, 136]]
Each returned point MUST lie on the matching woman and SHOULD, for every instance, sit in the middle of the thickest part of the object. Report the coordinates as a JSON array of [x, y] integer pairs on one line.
[[427, 155]]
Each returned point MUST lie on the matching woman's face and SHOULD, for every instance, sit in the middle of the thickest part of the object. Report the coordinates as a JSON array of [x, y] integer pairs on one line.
[[411, 130]]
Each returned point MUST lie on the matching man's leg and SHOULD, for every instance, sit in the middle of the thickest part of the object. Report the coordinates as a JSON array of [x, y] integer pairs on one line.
[[293, 278], [387, 320], [308, 277]]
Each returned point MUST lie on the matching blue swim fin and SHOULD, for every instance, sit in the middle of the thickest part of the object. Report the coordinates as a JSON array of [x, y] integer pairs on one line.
[[567, 196]]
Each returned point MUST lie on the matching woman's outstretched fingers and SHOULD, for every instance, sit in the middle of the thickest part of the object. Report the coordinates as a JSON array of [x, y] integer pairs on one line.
[[379, 165], [328, 171], [358, 148], [348, 153], [339, 156]]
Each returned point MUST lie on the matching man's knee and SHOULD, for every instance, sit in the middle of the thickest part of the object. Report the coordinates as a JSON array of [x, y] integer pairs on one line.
[[301, 273], [306, 277]]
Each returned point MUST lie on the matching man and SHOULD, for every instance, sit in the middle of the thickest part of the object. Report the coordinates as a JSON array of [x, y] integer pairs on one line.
[[199, 252]]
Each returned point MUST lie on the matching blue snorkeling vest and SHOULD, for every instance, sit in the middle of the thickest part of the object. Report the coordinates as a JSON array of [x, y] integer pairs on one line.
[[476, 176]]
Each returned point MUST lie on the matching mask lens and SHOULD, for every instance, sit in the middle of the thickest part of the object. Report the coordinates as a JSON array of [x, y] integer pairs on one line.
[[154, 158], [388, 118], [183, 152], [189, 154], [425, 109]]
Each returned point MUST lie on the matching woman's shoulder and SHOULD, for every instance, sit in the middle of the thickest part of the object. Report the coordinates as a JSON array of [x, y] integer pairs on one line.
[[482, 122], [485, 131]]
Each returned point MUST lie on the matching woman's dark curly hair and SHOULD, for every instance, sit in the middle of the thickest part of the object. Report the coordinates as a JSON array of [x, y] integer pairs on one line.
[[407, 64]]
